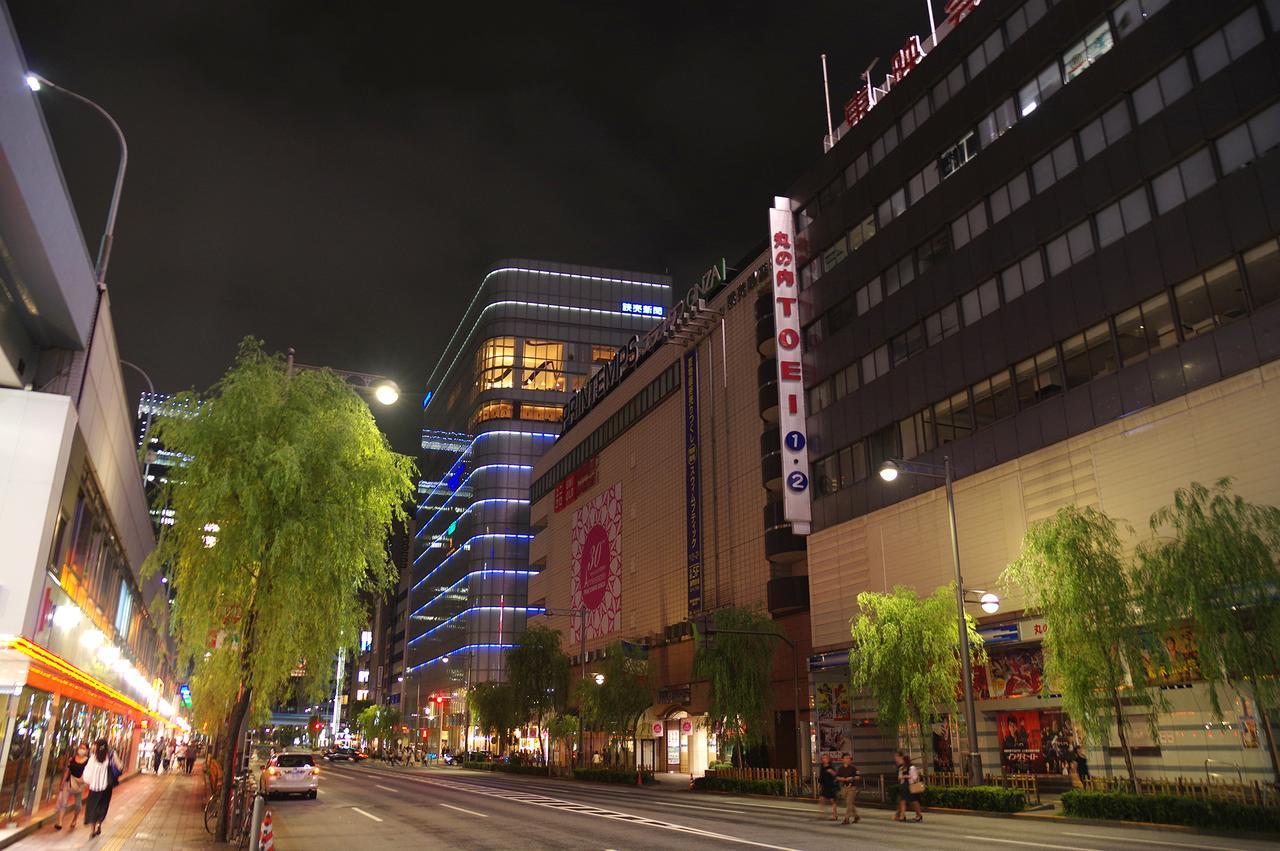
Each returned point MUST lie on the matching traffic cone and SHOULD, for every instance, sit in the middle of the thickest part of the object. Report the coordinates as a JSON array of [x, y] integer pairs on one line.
[[266, 839]]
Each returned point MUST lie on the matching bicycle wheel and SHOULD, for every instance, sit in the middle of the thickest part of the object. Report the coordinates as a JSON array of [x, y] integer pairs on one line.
[[211, 813]]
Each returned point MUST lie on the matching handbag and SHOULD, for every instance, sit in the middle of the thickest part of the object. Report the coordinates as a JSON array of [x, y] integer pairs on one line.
[[113, 773], [916, 788]]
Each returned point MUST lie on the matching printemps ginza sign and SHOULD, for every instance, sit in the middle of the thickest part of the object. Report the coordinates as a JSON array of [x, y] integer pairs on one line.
[[637, 348]]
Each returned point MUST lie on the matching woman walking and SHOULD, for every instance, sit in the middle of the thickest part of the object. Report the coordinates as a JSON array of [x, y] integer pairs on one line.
[[910, 787], [101, 773], [71, 791], [827, 785], [157, 756]]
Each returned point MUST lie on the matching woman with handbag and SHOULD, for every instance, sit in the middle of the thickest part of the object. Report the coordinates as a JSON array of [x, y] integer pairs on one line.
[[910, 787], [71, 790], [101, 774]]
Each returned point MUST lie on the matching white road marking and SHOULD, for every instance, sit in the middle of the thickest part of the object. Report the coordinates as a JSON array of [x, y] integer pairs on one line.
[[461, 810], [388, 788], [1163, 842], [1031, 844], [366, 815], [709, 809]]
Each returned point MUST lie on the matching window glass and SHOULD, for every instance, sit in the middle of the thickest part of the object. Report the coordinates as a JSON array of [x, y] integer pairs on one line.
[[1146, 99], [1262, 268], [908, 123], [874, 290], [1244, 32], [1019, 191], [989, 297], [960, 232], [1195, 314], [810, 272], [1110, 224], [977, 217], [915, 188], [1135, 209], [931, 177], [976, 62], [819, 396], [898, 200], [1211, 55], [1167, 189], [1226, 292], [1028, 98], [1265, 130], [1059, 255], [1064, 158], [1080, 238], [1131, 336], [921, 111], [940, 94], [1175, 81], [1075, 361], [933, 251], [1197, 173], [993, 46], [1235, 149], [1032, 271], [957, 155], [1015, 25], [834, 255], [1092, 139], [1000, 203], [1042, 172], [496, 362], [1116, 122], [869, 368], [543, 365], [1011, 282], [1002, 393], [1157, 321], [884, 213], [970, 306], [1127, 17], [1102, 355], [877, 150]]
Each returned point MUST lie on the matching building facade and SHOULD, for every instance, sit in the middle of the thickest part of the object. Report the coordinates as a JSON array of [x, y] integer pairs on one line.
[[1046, 250], [654, 507], [84, 648], [533, 334]]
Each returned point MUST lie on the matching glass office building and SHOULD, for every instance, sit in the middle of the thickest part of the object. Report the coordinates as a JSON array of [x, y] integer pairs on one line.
[[533, 335]]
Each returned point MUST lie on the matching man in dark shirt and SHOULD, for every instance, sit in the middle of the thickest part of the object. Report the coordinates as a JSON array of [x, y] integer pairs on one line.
[[848, 776]]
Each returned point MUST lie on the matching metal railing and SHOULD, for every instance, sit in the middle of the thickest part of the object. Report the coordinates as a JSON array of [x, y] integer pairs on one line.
[[788, 776], [1027, 783]]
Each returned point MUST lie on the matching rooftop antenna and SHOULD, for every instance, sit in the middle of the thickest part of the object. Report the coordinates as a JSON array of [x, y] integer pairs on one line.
[[826, 100]]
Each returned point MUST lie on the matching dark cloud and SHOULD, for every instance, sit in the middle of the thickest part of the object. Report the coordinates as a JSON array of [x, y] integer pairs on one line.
[[336, 177]]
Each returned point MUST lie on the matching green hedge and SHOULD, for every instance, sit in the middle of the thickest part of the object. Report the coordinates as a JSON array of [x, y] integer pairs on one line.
[[481, 766], [711, 783], [507, 767], [611, 775], [1171, 809], [992, 799]]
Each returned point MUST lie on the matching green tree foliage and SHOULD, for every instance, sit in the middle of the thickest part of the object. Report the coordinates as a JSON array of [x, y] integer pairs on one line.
[[906, 656], [1214, 565], [286, 497], [378, 722], [616, 705], [539, 672], [561, 729], [496, 709], [739, 670], [1073, 571]]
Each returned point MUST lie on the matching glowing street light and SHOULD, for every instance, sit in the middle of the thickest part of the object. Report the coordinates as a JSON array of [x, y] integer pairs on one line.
[[387, 393], [599, 678]]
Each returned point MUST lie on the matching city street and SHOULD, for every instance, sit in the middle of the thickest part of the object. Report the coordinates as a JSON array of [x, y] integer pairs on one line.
[[453, 808]]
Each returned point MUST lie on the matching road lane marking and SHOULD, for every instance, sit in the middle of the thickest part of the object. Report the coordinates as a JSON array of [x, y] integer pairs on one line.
[[461, 810], [708, 809], [588, 809], [388, 788], [1165, 842], [1031, 844], [366, 815]]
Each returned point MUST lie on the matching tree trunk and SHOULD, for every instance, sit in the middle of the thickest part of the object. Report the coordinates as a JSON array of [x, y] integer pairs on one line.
[[1121, 725], [234, 723]]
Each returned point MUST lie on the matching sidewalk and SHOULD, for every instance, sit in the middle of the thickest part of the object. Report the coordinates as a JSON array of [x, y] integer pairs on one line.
[[148, 813]]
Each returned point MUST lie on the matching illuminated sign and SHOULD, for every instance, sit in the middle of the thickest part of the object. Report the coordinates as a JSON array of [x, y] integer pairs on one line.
[[581, 479], [791, 410], [366, 641], [642, 309], [184, 695]]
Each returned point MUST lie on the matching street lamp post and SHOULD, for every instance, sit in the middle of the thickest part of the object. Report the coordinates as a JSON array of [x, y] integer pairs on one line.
[[383, 389], [146, 428], [889, 471]]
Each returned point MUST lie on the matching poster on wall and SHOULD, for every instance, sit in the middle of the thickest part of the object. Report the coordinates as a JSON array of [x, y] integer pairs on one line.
[[1058, 738], [1171, 658], [1020, 751], [835, 718], [944, 731], [1017, 672], [596, 554]]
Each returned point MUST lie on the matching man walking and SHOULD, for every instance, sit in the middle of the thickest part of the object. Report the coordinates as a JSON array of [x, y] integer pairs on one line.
[[849, 776]]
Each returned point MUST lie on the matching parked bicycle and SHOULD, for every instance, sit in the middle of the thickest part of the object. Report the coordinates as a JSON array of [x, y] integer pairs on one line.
[[239, 824]]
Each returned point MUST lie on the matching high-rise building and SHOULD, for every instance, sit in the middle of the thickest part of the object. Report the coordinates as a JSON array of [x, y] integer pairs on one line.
[[1044, 248], [84, 651], [533, 334]]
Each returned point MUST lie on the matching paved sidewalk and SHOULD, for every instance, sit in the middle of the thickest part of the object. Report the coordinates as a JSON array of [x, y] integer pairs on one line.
[[148, 813]]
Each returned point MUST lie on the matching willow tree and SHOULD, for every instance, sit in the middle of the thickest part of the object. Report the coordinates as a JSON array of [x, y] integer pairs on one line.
[[539, 671], [496, 709], [626, 690], [906, 656], [281, 508], [737, 663], [1074, 573], [1214, 566]]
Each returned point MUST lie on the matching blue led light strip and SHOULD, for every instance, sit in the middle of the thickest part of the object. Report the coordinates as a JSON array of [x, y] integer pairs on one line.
[[543, 434], [466, 545], [465, 512], [468, 576], [465, 612], [458, 650]]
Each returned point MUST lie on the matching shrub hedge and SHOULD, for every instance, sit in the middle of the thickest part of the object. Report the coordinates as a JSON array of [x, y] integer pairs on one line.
[[1171, 809], [711, 783], [611, 775], [992, 799]]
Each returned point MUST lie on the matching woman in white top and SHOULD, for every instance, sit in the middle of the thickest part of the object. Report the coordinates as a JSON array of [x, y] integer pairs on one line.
[[100, 774]]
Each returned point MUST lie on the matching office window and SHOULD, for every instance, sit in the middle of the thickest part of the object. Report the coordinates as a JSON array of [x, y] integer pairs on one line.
[[868, 295], [882, 445], [819, 396], [541, 413], [1145, 329], [1023, 18], [1185, 180], [980, 301], [907, 343], [898, 275], [861, 232], [498, 410], [1125, 216], [1131, 14], [543, 365], [957, 155], [985, 53], [892, 207], [969, 226], [833, 255], [1209, 300], [1054, 165], [933, 251], [920, 112], [1039, 90], [1162, 89], [1105, 130], [1081, 55], [875, 364], [993, 399], [1088, 355], [496, 363], [826, 474], [1072, 247], [1037, 378], [952, 418], [948, 87], [810, 272], [1021, 277], [839, 315], [857, 169], [1262, 268], [1010, 197], [1250, 140], [915, 433], [1000, 119], [942, 324]]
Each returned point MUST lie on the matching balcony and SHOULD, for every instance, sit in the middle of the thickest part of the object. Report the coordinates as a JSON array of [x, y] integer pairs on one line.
[[771, 459], [787, 595], [781, 545]]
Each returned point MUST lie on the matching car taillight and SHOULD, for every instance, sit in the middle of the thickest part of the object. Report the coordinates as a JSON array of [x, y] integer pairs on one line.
[[315, 770], [273, 771]]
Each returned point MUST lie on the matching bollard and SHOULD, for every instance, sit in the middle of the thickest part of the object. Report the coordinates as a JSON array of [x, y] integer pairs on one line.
[[259, 803]]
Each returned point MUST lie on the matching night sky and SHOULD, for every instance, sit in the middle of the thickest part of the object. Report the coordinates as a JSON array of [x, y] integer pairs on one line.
[[337, 177]]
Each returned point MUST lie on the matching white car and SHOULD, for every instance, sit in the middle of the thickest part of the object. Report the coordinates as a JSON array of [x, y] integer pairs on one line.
[[290, 773]]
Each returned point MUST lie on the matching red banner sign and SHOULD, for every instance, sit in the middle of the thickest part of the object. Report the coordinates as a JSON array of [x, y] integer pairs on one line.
[[581, 479]]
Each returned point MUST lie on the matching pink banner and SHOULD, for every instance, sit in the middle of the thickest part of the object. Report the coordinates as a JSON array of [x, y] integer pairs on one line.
[[596, 552]]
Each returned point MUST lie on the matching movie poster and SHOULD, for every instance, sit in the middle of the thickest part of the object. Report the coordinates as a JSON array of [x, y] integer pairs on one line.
[[1017, 672], [1020, 743], [1058, 739], [945, 731], [835, 718], [1171, 658]]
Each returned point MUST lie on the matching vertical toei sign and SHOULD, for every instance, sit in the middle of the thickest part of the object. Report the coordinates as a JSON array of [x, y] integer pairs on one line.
[[786, 322]]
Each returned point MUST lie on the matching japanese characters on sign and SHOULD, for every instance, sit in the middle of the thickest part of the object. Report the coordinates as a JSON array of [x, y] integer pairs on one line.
[[791, 404], [581, 479]]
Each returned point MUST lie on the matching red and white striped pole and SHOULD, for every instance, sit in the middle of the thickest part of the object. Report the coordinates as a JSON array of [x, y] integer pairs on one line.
[[266, 838]]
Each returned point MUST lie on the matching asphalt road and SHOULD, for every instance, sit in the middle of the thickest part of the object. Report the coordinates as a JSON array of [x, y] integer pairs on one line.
[[361, 808]]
